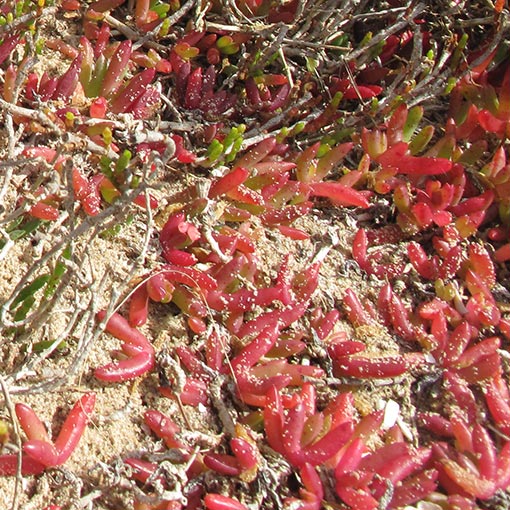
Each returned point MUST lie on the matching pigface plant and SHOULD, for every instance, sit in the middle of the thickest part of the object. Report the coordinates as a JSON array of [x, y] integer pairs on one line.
[[271, 239]]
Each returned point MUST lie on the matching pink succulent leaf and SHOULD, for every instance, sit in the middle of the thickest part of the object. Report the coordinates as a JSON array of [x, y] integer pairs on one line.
[[42, 451], [397, 157], [339, 194], [415, 488], [138, 362], [119, 327], [503, 473], [498, 402], [222, 463], [280, 98], [486, 451], [139, 307], [116, 69], [74, 426], [145, 104], [246, 453], [193, 94], [219, 502], [142, 470], [256, 154], [257, 348], [31, 424], [106, 5], [228, 182], [8, 44], [350, 457], [137, 86], [68, 82], [190, 277], [472, 482], [385, 366], [328, 445], [29, 466], [243, 299]]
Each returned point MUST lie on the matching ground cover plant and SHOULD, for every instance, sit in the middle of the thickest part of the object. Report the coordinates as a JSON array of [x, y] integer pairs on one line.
[[254, 255]]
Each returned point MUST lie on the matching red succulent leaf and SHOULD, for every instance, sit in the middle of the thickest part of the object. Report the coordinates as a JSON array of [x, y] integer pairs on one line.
[[44, 211], [384, 366], [219, 502], [228, 182], [193, 94], [471, 481], [8, 44], [29, 466], [415, 488], [397, 157], [105, 5], [491, 123], [339, 194], [116, 69], [223, 464], [68, 82], [497, 397], [137, 86]]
